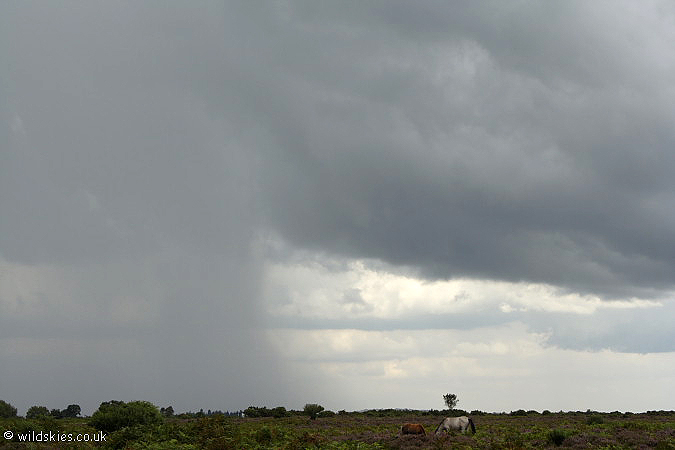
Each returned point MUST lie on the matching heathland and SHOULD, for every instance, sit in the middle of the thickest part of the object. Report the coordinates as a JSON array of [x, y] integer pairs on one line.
[[140, 425]]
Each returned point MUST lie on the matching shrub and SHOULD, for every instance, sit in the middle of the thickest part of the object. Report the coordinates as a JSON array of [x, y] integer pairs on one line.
[[556, 437], [279, 412], [312, 410], [595, 420], [257, 411], [37, 411], [263, 411], [263, 435], [71, 411], [326, 413], [115, 415], [7, 410]]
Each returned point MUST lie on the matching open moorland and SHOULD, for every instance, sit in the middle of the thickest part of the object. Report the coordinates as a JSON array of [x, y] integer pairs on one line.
[[364, 430]]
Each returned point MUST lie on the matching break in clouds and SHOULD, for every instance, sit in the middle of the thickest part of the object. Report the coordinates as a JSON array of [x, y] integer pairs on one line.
[[181, 184]]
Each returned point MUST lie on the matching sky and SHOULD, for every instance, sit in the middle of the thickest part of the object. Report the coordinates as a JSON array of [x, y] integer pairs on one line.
[[357, 204]]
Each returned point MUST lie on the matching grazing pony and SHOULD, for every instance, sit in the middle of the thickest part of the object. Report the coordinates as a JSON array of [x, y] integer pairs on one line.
[[412, 428], [461, 424]]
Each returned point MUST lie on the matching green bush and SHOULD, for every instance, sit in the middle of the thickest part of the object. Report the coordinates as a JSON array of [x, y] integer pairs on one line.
[[7, 410], [162, 436], [556, 437], [312, 410], [263, 411], [279, 412], [257, 411], [71, 411], [263, 435], [115, 415], [37, 411], [595, 420]]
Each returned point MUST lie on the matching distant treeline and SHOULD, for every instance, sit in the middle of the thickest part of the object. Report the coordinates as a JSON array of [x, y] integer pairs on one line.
[[280, 411], [72, 411]]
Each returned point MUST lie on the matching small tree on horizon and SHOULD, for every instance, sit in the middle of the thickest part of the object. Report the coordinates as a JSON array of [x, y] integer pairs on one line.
[[71, 411], [312, 410], [450, 400], [166, 412]]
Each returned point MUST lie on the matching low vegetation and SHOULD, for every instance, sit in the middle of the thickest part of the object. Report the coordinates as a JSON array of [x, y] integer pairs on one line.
[[141, 425]]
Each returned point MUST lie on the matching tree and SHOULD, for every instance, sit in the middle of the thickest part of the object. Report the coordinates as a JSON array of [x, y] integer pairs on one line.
[[279, 412], [114, 415], [312, 410], [37, 411], [7, 410], [71, 411], [450, 400], [167, 412]]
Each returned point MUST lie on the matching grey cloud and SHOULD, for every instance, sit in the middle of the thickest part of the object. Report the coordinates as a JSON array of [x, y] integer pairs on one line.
[[486, 169], [516, 141], [125, 186], [637, 331]]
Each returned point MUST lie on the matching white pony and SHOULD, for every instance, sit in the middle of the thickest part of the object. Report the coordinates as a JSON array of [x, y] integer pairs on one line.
[[461, 424]]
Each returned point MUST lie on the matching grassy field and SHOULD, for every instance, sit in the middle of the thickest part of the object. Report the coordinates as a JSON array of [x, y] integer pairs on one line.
[[368, 431]]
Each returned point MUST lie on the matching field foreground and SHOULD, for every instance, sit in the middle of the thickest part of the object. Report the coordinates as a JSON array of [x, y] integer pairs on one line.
[[370, 431], [570, 430]]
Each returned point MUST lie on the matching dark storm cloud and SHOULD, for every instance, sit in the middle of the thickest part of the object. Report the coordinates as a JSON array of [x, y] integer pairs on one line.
[[521, 142], [485, 140], [144, 145]]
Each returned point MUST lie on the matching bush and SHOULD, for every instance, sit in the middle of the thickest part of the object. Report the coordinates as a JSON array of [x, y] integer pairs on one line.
[[114, 415], [556, 437], [263, 436], [7, 410], [71, 411], [279, 412], [595, 420], [263, 411], [312, 410], [37, 411]]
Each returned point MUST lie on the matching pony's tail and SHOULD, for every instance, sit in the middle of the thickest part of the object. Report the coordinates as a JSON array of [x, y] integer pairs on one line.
[[439, 426], [473, 427]]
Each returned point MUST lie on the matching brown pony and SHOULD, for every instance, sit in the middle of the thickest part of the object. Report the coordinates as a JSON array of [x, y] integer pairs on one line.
[[412, 428]]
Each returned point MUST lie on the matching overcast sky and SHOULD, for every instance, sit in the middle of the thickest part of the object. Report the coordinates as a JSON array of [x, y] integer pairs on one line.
[[361, 204]]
